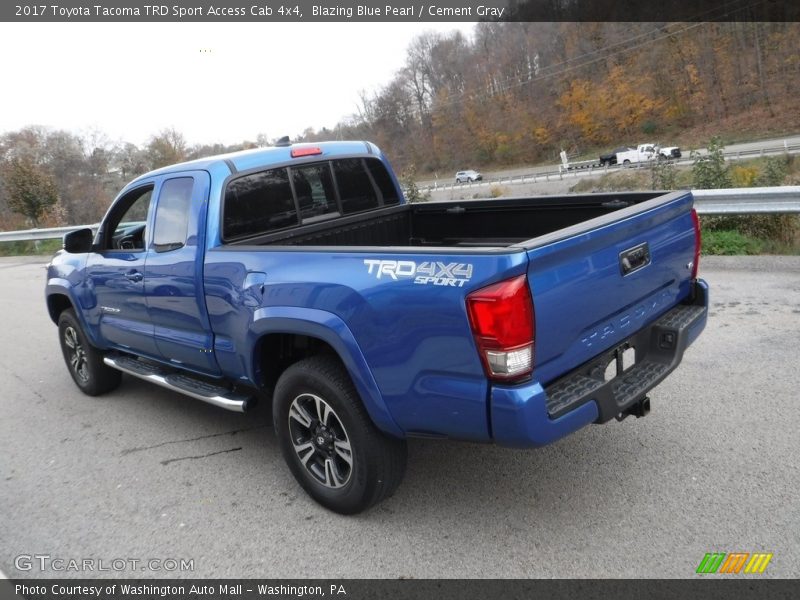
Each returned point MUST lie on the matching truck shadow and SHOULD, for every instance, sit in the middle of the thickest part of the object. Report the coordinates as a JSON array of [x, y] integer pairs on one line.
[[446, 481]]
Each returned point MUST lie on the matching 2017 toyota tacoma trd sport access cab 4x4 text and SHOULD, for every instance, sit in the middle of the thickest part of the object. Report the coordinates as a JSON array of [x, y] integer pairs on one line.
[[300, 273]]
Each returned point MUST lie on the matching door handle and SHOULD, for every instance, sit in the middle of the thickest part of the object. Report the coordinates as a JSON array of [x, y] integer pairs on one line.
[[134, 276]]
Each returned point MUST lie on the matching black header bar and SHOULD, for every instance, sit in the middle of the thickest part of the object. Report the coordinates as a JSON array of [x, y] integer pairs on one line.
[[277, 11], [712, 586]]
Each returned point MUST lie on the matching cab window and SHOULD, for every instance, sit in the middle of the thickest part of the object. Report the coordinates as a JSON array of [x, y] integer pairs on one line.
[[125, 228], [172, 214]]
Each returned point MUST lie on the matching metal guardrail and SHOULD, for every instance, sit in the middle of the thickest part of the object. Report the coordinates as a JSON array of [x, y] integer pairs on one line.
[[27, 235], [732, 201], [748, 201]]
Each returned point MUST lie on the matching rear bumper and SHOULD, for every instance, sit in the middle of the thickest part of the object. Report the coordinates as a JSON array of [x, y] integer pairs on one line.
[[530, 415]]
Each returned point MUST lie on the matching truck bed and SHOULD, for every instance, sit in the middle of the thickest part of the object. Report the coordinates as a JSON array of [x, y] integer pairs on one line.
[[465, 224]]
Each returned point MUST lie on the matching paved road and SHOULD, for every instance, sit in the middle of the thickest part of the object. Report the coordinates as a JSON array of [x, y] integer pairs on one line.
[[143, 473], [775, 145]]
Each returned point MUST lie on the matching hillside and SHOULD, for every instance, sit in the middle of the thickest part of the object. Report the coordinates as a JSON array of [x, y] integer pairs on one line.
[[517, 93]]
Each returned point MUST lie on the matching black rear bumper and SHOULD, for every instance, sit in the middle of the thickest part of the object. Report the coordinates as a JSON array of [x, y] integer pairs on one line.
[[659, 348]]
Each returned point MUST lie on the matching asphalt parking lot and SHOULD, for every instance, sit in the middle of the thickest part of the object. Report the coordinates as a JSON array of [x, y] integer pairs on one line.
[[146, 474]]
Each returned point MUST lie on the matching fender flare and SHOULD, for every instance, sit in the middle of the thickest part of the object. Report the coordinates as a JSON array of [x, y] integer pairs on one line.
[[331, 329], [62, 287]]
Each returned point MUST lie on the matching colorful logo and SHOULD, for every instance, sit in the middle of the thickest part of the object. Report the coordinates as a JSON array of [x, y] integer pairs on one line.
[[735, 562]]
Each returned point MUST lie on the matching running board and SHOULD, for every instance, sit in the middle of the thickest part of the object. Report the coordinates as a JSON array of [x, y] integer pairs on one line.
[[180, 382]]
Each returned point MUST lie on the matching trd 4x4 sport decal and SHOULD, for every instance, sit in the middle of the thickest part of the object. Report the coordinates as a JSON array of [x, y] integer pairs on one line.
[[429, 272]]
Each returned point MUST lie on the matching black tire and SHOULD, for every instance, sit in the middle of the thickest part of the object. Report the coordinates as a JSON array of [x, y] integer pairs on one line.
[[84, 361], [321, 434]]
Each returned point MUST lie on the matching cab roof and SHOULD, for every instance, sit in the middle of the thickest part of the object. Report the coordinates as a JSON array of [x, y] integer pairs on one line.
[[245, 160]]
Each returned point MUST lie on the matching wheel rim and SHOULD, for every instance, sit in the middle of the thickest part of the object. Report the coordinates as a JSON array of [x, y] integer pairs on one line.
[[320, 441], [77, 355]]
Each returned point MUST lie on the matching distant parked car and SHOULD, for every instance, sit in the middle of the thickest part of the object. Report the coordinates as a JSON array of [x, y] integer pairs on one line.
[[610, 158], [468, 176]]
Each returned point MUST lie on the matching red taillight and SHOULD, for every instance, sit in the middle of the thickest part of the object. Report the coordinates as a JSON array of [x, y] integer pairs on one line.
[[306, 151], [697, 243], [501, 317]]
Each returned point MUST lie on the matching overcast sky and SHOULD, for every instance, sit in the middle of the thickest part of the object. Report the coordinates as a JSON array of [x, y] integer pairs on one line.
[[212, 82]]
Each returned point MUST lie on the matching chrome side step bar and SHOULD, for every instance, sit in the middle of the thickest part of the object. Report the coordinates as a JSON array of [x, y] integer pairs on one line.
[[180, 382]]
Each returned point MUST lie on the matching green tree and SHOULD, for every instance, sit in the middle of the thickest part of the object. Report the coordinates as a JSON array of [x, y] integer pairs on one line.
[[710, 171], [408, 181], [663, 175], [30, 189], [775, 171]]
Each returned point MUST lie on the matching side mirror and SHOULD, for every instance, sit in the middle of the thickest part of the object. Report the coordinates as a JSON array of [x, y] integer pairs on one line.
[[78, 242]]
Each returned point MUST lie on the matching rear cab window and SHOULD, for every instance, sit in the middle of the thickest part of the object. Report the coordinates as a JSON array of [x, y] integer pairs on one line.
[[258, 203], [313, 187], [276, 199]]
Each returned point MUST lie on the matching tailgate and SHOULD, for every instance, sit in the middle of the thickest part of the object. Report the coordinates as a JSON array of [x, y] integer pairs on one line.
[[597, 283]]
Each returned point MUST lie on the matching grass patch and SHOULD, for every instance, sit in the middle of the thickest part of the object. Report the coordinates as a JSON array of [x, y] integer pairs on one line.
[[40, 247], [778, 230], [730, 243]]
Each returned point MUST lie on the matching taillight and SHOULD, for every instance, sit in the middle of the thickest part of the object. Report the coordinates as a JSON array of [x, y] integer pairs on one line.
[[501, 317], [697, 243], [305, 151]]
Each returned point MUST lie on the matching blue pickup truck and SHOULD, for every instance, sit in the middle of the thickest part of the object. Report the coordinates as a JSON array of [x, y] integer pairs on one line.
[[298, 274]]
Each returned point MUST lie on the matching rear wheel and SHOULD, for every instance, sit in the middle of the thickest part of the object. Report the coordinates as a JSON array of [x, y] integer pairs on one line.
[[84, 361], [328, 440]]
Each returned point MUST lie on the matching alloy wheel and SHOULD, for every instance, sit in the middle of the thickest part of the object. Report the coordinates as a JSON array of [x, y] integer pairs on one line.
[[77, 355], [320, 441]]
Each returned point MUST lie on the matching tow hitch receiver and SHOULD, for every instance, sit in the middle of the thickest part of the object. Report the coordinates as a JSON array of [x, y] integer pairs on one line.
[[638, 409]]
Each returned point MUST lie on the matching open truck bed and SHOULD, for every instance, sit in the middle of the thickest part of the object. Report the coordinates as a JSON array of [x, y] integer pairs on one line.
[[492, 223]]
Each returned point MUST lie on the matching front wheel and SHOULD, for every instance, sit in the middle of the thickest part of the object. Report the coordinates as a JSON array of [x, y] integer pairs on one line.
[[84, 361], [329, 441]]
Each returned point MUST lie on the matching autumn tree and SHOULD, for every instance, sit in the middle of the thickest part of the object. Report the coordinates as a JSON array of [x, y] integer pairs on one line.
[[29, 188], [581, 105], [166, 148]]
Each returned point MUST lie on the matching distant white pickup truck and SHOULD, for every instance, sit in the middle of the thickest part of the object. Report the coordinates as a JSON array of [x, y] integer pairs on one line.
[[646, 153]]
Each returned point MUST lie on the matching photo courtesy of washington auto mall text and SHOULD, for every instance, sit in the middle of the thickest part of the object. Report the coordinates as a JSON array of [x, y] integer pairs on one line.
[[161, 589]]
